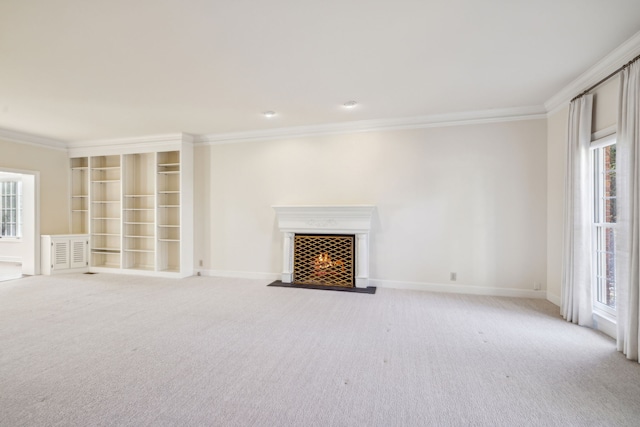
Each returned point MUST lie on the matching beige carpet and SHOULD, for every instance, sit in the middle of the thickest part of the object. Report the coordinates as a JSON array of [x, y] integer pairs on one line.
[[103, 350]]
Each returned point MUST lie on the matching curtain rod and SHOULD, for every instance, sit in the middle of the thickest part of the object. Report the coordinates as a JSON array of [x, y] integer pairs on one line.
[[606, 78]]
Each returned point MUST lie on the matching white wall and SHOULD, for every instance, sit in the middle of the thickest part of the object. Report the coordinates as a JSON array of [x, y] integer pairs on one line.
[[465, 199]]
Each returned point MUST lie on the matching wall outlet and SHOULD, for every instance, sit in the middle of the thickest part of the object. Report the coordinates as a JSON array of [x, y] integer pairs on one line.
[[200, 263], [536, 286], [453, 276]]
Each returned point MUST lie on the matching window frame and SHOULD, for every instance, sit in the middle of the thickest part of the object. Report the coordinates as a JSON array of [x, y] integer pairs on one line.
[[18, 208], [598, 211]]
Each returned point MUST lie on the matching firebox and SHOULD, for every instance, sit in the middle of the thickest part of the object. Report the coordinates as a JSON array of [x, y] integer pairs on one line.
[[324, 259]]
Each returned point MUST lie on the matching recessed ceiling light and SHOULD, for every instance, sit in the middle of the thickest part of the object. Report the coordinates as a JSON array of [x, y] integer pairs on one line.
[[350, 104], [269, 114]]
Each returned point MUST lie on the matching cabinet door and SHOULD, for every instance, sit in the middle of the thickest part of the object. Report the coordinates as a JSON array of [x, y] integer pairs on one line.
[[78, 249], [60, 254]]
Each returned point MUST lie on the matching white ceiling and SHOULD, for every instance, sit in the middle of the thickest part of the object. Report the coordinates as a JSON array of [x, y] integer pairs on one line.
[[80, 70]]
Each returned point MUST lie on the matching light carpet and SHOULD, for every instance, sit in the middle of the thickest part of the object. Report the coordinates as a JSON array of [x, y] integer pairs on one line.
[[105, 350]]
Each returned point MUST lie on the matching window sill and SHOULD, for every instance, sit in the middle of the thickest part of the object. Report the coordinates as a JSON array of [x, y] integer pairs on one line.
[[605, 323], [11, 239]]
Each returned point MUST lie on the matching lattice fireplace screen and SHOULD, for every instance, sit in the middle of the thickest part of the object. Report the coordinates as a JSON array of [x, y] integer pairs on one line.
[[327, 260]]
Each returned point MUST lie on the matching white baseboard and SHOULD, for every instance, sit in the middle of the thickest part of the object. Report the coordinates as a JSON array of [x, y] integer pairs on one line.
[[15, 259], [239, 274], [394, 284], [458, 289], [554, 299]]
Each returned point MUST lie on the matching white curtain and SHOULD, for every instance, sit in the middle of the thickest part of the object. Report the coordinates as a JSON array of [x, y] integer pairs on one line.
[[628, 223], [577, 306]]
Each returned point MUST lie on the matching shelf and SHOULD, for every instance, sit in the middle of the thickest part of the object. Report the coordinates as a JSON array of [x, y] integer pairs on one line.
[[105, 201], [168, 164], [105, 168], [148, 251], [168, 240], [139, 237], [139, 209], [81, 196], [103, 181], [108, 218], [169, 172], [167, 226], [80, 168], [105, 234], [134, 223], [105, 251], [169, 192], [79, 210], [168, 206], [139, 195]]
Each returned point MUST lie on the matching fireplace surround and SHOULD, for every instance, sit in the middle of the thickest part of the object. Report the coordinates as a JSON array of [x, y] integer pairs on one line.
[[326, 220]]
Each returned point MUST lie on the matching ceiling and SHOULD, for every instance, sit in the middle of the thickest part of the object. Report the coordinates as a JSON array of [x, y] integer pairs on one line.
[[77, 70]]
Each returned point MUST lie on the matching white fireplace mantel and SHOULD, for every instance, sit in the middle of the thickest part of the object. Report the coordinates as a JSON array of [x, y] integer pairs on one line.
[[327, 219]]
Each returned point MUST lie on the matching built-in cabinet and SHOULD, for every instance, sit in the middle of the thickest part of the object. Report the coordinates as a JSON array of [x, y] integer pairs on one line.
[[64, 253], [137, 208]]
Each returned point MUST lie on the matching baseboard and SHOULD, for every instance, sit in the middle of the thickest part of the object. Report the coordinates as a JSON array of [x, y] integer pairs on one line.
[[458, 289], [238, 274], [394, 284], [15, 259], [554, 299]]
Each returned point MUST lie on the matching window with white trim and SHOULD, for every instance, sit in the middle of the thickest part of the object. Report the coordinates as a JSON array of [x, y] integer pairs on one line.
[[11, 209], [604, 224]]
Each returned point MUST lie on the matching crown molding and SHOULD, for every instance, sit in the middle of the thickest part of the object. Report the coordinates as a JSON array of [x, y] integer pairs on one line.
[[129, 145], [618, 57], [29, 139], [421, 122]]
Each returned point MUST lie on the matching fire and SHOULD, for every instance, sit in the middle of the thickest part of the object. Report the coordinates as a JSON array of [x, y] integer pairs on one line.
[[323, 262]]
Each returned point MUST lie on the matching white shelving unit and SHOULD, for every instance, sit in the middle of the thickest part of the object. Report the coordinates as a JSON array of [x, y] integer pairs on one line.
[[139, 212], [169, 211], [105, 208], [138, 206], [80, 195]]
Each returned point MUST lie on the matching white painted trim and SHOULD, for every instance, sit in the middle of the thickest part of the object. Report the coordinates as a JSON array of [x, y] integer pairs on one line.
[[458, 289], [393, 284], [605, 324], [617, 58], [143, 144], [15, 259], [554, 299], [602, 133], [28, 139], [422, 122], [238, 274]]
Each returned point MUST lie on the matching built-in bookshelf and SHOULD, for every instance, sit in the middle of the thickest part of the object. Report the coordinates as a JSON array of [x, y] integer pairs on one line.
[[80, 195], [169, 211], [139, 212], [105, 206], [137, 207]]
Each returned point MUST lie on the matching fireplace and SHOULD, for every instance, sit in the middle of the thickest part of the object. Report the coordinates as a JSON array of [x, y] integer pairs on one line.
[[325, 260], [325, 245]]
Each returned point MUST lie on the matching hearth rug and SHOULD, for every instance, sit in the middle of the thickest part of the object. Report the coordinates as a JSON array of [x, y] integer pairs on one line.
[[367, 290]]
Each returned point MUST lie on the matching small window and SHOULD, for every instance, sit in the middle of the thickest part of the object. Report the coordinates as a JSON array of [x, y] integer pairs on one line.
[[11, 209], [604, 225]]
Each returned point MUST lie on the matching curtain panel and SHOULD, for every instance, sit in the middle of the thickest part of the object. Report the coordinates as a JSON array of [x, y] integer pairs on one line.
[[628, 225], [576, 302]]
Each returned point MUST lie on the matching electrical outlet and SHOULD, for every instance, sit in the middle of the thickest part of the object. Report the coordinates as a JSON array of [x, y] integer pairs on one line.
[[200, 263], [536, 286], [453, 276]]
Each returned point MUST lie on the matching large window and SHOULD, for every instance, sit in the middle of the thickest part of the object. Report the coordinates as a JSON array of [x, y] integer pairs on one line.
[[604, 224], [10, 209]]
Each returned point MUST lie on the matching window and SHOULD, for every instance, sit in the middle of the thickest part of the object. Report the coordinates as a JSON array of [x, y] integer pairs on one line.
[[604, 224], [10, 209]]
